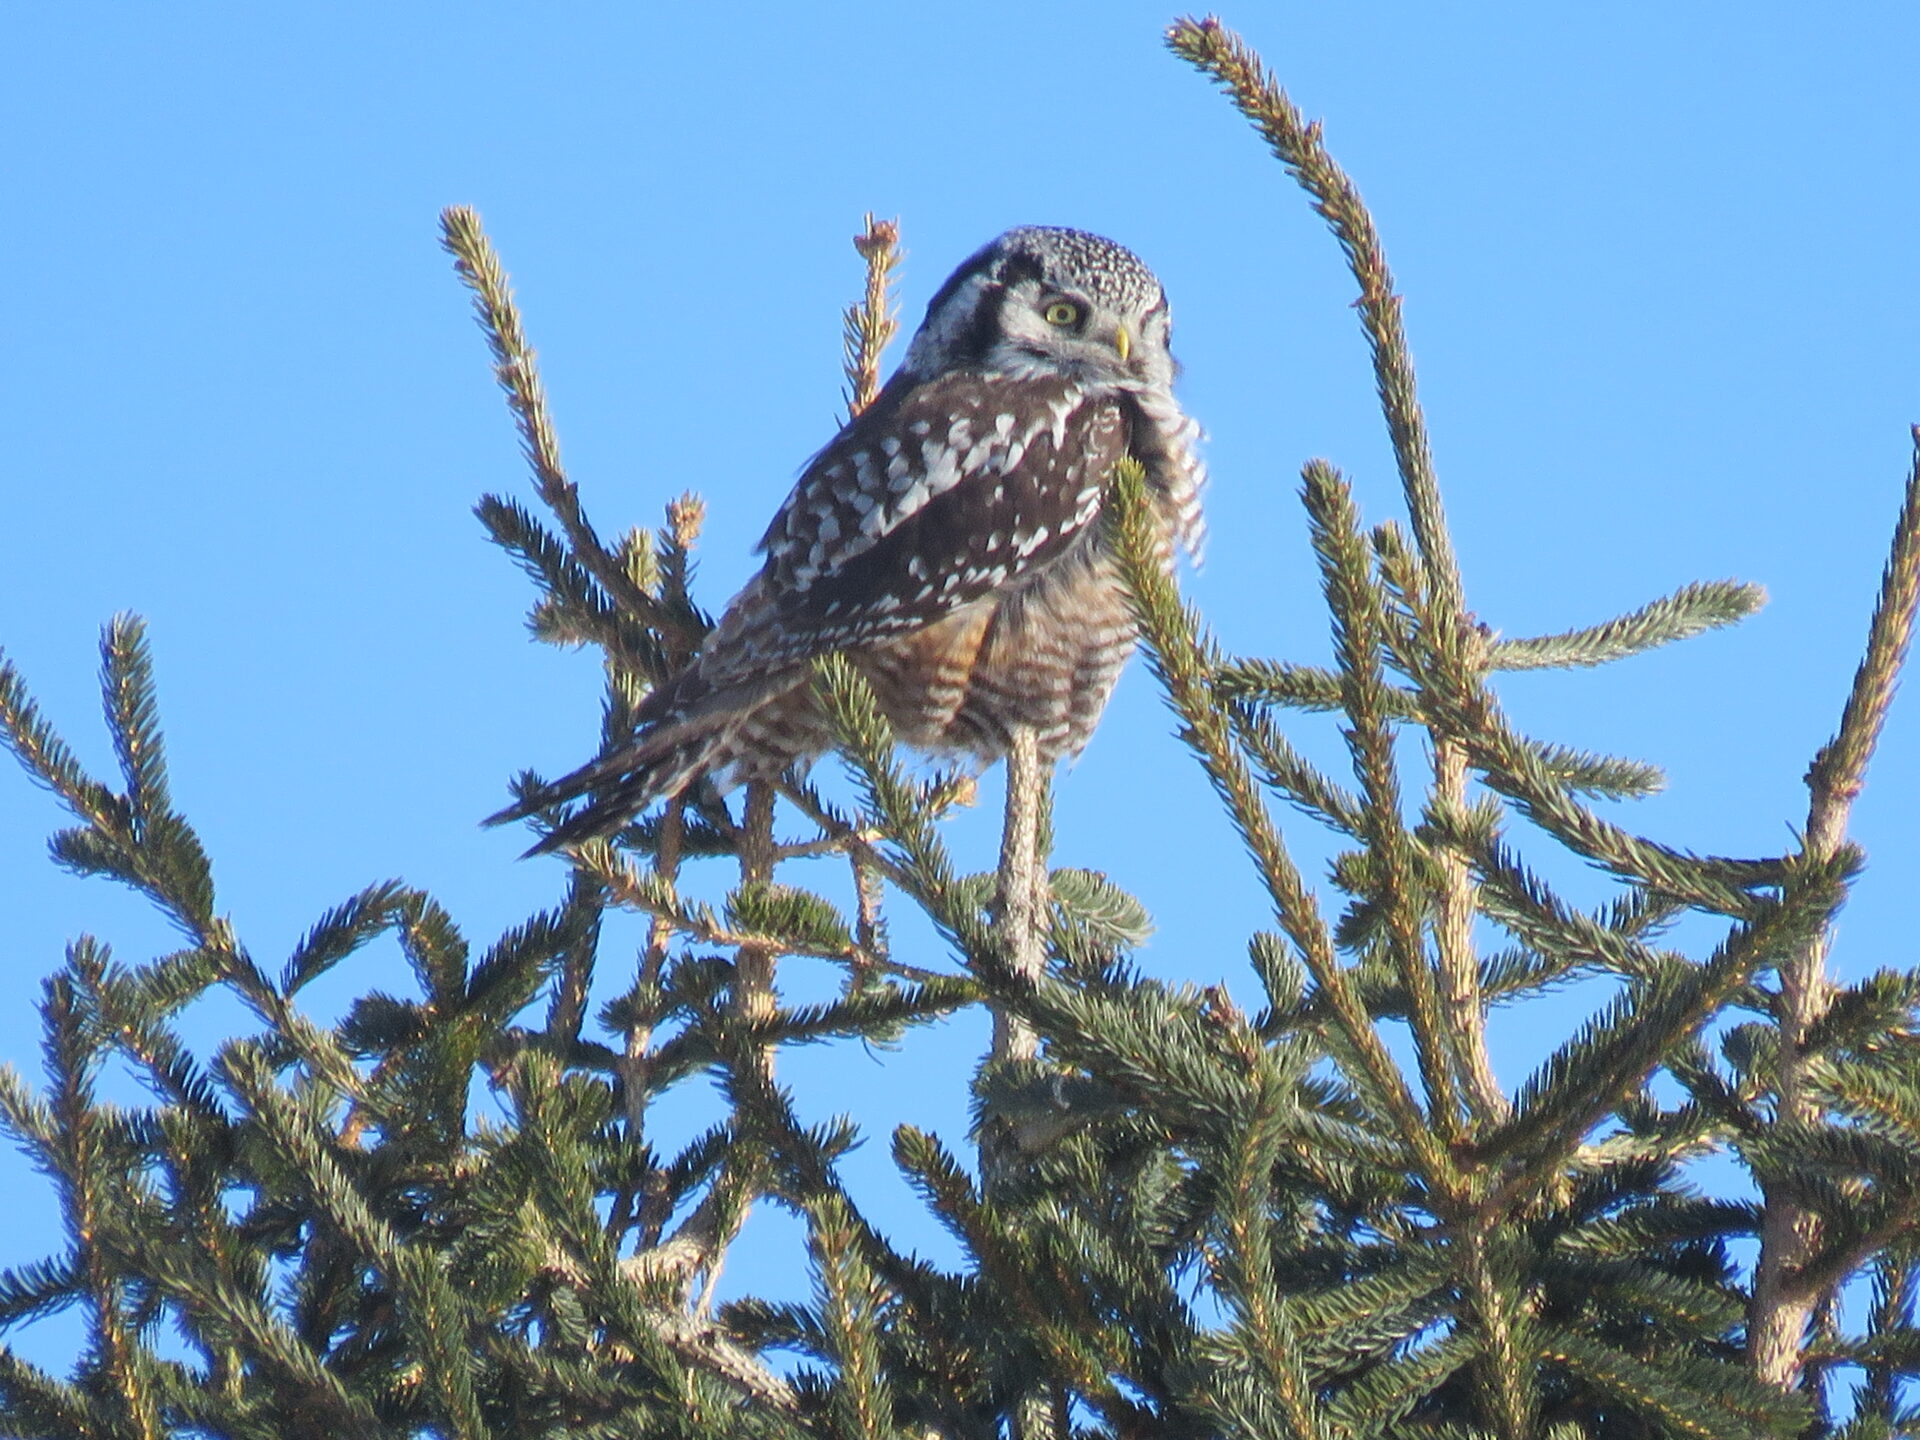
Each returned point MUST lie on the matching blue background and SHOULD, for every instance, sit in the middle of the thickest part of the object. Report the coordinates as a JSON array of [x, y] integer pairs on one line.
[[1661, 281]]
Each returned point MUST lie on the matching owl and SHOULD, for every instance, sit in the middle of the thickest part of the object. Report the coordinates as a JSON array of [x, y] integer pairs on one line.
[[946, 541]]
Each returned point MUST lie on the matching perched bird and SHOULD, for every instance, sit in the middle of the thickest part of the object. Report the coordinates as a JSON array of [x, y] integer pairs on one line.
[[946, 541]]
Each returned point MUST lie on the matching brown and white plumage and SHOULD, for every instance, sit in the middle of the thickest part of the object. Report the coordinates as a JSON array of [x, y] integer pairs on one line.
[[945, 541]]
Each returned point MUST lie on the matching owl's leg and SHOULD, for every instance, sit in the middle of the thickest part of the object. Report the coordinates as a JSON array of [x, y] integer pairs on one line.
[[1020, 907]]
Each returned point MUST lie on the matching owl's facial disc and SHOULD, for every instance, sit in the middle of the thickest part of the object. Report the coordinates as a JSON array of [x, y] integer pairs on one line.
[[1047, 300]]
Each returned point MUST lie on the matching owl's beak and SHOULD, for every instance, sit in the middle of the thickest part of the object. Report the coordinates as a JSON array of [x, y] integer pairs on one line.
[[1122, 342]]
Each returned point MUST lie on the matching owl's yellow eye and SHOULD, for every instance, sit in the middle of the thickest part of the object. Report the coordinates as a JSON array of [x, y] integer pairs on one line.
[[1063, 312]]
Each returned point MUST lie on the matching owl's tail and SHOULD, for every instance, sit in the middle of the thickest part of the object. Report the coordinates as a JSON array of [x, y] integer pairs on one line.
[[687, 742]]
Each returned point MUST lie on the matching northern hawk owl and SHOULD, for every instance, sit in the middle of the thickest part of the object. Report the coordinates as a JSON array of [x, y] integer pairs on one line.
[[946, 541]]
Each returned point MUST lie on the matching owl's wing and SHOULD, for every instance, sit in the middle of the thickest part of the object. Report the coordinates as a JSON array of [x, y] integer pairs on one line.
[[939, 494]]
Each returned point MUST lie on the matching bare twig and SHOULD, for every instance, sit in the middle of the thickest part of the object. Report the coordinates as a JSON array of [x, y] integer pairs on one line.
[[755, 1007], [857, 842], [753, 998], [637, 1058], [702, 1343], [1453, 941], [1019, 904]]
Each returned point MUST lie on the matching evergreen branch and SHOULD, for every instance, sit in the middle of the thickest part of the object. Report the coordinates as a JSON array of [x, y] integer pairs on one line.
[[868, 327], [862, 1401], [640, 560], [340, 932], [321, 1051], [515, 368], [232, 1314], [1861, 1180], [1299, 687], [635, 1063], [1020, 912], [47, 759], [1691, 610], [838, 833], [1894, 1295], [865, 1012], [1681, 1305], [1612, 1055], [777, 919], [1605, 777], [506, 978], [1493, 1282], [1519, 972], [428, 1305], [573, 1246], [699, 837], [1840, 768], [1672, 1391], [1407, 631], [746, 1055], [1246, 1274], [1872, 1014], [1823, 1274], [434, 948], [1148, 1046], [1870, 1094], [1183, 662], [1635, 1233], [1387, 1393], [117, 1001], [862, 1014], [1383, 1301], [1287, 771], [1791, 1234], [1359, 623], [1049, 1302], [39, 1289], [1526, 906], [686, 515], [1512, 769], [575, 609], [1232, 64], [29, 1119], [126, 686], [1089, 899], [547, 561], [40, 1404], [1460, 705], [92, 1190], [702, 1343], [902, 810], [825, 844], [136, 839], [800, 919]]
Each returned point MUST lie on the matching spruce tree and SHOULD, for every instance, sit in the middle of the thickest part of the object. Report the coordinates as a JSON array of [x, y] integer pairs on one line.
[[1182, 1219]]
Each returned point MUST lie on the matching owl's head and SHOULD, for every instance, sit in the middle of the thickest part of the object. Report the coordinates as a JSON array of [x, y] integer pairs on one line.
[[1044, 300]]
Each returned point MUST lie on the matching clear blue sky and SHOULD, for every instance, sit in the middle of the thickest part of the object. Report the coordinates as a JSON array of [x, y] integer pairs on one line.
[[1661, 281]]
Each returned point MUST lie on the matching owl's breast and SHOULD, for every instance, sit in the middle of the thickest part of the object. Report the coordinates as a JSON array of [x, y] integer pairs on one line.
[[1044, 656]]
